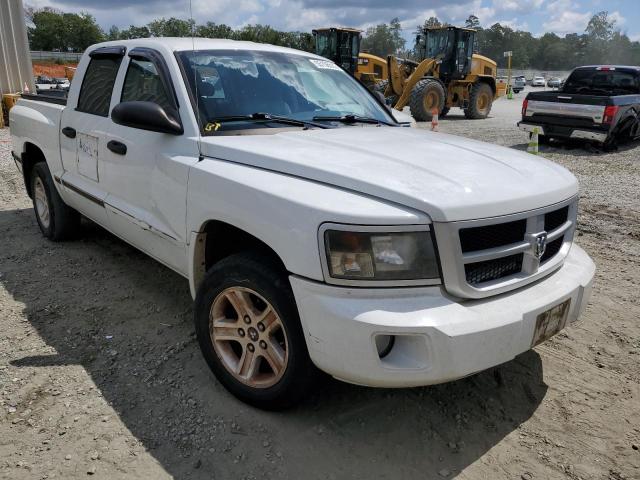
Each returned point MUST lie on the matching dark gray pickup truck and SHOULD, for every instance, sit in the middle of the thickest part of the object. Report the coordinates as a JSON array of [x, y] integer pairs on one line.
[[597, 103]]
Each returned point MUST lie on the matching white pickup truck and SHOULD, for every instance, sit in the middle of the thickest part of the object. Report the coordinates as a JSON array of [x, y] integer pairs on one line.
[[315, 232]]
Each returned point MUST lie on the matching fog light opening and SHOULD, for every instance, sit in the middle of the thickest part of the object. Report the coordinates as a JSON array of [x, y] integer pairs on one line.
[[384, 344]]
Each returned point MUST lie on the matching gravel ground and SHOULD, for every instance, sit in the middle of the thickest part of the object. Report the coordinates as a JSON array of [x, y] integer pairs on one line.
[[100, 374]]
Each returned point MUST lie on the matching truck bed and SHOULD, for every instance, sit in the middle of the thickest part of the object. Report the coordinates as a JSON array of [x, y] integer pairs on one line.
[[591, 117], [48, 97]]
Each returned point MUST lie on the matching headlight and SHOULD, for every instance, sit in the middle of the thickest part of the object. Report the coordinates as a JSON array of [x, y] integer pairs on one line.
[[380, 257]]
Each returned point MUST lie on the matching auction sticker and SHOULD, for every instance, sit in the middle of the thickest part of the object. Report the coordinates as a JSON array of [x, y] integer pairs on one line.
[[325, 64]]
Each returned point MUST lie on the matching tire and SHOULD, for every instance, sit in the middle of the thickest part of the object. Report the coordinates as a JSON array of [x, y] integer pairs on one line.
[[480, 101], [427, 94], [248, 285], [444, 111], [516, 90], [57, 221], [381, 87]]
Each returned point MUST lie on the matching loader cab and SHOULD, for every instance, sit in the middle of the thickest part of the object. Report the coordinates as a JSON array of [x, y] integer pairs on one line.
[[341, 45], [452, 46]]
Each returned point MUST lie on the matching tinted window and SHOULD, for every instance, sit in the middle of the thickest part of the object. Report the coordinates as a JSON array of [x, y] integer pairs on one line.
[[97, 85], [143, 83], [594, 80]]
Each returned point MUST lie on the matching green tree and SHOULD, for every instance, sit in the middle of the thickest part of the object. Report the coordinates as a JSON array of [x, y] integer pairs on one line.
[[472, 22], [80, 31], [135, 32], [213, 30], [384, 39], [47, 32], [601, 26], [55, 30], [114, 33], [172, 27]]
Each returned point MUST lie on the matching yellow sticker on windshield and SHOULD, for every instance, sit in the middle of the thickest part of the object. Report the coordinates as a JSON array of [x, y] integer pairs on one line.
[[212, 127]]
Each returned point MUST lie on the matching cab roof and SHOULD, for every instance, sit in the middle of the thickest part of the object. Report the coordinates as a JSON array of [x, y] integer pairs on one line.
[[344, 29], [181, 44]]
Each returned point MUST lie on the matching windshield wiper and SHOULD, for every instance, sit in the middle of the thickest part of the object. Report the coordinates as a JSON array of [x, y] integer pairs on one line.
[[267, 117], [350, 118]]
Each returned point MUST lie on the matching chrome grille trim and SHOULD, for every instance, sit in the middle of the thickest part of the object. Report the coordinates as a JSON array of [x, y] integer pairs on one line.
[[453, 260]]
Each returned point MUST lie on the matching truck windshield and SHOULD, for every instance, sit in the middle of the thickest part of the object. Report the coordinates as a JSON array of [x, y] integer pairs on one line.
[[228, 85], [604, 80], [439, 42]]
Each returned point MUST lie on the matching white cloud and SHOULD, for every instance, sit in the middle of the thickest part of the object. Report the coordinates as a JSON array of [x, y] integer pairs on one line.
[[520, 6], [564, 18], [618, 18]]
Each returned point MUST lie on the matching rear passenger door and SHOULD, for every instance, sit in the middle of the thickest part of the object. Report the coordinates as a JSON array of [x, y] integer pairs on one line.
[[146, 177], [84, 126]]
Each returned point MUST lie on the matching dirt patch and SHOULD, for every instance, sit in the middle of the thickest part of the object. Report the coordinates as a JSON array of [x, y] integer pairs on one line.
[[51, 69], [100, 374]]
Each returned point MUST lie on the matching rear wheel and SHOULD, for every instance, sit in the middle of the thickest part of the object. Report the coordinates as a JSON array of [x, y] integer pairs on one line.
[[57, 221], [480, 101], [428, 94], [249, 332]]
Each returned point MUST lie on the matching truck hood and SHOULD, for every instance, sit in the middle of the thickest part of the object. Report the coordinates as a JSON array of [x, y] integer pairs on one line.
[[447, 177]]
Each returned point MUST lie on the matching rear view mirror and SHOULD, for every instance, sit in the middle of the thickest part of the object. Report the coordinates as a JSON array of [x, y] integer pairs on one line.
[[147, 116]]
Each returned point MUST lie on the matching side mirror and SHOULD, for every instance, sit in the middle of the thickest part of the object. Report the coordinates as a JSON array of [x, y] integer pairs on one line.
[[147, 116]]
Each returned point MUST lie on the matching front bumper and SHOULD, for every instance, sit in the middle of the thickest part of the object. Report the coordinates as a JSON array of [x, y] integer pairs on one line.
[[438, 338], [585, 134]]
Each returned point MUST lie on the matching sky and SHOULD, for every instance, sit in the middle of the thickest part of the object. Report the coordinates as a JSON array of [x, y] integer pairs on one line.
[[536, 16]]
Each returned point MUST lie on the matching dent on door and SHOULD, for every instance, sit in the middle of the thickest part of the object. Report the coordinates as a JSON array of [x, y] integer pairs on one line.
[[87, 156]]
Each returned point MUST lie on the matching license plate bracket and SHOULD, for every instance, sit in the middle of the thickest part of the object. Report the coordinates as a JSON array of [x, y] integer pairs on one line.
[[550, 322]]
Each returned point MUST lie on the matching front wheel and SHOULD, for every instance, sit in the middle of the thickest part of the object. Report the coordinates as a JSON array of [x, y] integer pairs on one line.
[[250, 334], [427, 96]]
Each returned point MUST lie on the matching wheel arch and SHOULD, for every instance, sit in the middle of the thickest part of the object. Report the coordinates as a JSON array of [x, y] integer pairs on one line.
[[31, 154], [489, 81], [216, 240]]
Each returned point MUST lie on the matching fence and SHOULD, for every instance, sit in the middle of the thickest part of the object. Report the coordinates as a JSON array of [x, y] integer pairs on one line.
[[68, 57], [529, 74]]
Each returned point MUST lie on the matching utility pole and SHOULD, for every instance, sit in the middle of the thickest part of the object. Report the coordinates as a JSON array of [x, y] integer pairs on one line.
[[509, 54]]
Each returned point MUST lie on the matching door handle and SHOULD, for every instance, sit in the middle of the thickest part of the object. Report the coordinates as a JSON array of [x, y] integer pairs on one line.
[[69, 132], [117, 147]]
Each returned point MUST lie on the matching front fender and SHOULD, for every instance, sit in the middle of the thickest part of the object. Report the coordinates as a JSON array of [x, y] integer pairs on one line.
[[282, 211]]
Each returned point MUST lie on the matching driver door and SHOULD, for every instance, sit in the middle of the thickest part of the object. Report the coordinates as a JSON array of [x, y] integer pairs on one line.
[[146, 174]]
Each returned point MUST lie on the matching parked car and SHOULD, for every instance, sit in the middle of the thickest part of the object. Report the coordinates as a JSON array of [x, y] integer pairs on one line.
[[554, 82], [596, 103], [518, 84], [314, 231], [538, 82]]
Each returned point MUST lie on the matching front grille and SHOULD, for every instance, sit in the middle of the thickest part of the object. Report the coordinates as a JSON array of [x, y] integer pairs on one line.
[[489, 256], [488, 270], [553, 220], [491, 236], [552, 249]]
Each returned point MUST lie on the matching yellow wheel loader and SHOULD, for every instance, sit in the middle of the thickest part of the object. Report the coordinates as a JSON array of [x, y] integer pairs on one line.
[[342, 45], [448, 74]]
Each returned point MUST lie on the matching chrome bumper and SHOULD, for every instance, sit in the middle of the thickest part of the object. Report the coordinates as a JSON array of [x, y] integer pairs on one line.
[[576, 133]]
